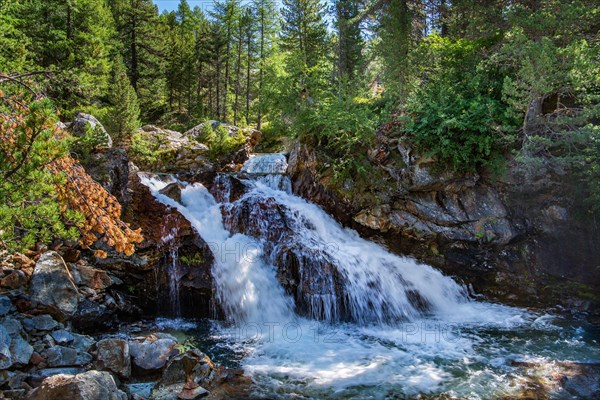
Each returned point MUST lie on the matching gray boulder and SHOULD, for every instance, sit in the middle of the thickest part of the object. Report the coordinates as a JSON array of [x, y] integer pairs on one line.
[[85, 121], [91, 385], [61, 356], [52, 284], [152, 355], [5, 355], [5, 305], [113, 356], [21, 351]]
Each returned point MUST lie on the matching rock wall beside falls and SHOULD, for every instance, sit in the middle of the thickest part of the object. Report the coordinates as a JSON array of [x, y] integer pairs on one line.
[[523, 238], [171, 245]]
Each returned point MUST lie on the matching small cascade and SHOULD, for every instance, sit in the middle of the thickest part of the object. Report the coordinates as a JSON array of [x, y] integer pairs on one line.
[[171, 270], [332, 273], [268, 170], [246, 286], [268, 242]]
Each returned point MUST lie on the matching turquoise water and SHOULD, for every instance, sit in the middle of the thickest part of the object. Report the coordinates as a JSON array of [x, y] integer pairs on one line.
[[493, 360]]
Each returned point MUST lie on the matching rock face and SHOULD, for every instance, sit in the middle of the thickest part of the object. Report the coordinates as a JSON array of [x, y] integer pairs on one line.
[[153, 353], [86, 121], [91, 385], [513, 238], [178, 152], [168, 239], [113, 356], [110, 168], [52, 285], [305, 272]]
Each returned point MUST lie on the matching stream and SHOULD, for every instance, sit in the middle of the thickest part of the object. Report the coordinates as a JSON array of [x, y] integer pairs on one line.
[[315, 311]]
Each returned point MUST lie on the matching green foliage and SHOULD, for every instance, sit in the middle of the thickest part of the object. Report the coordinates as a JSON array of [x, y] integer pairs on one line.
[[14, 44], [143, 149], [85, 144], [224, 143], [346, 129], [29, 210], [207, 134], [195, 259], [124, 114], [73, 40], [457, 114]]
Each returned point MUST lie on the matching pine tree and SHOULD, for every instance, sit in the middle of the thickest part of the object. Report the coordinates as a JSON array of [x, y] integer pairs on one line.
[[142, 39], [350, 41], [74, 40], [226, 14], [304, 36], [304, 31], [123, 118], [267, 20]]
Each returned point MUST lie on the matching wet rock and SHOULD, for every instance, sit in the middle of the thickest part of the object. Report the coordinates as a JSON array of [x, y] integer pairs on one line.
[[91, 385], [5, 355], [152, 354], [113, 356], [94, 278], [52, 285], [173, 191], [84, 122], [140, 391], [44, 322], [198, 363], [60, 356], [21, 351], [62, 336], [5, 305]]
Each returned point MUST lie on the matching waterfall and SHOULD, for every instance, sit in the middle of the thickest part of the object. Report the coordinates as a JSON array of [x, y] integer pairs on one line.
[[340, 275], [246, 286], [172, 270], [393, 328]]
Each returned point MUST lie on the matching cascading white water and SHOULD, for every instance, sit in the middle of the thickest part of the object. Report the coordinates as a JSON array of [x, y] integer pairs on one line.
[[414, 330], [246, 286], [172, 271]]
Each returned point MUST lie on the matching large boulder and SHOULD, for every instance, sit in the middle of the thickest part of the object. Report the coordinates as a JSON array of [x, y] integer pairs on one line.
[[61, 356], [153, 353], [5, 355], [113, 356], [84, 121], [91, 385], [110, 168], [52, 285]]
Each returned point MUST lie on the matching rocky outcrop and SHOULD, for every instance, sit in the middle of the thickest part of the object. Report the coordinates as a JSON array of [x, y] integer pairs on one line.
[[110, 168], [152, 354], [91, 385], [52, 285], [306, 272], [176, 152], [84, 122], [515, 238], [168, 239], [113, 355]]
